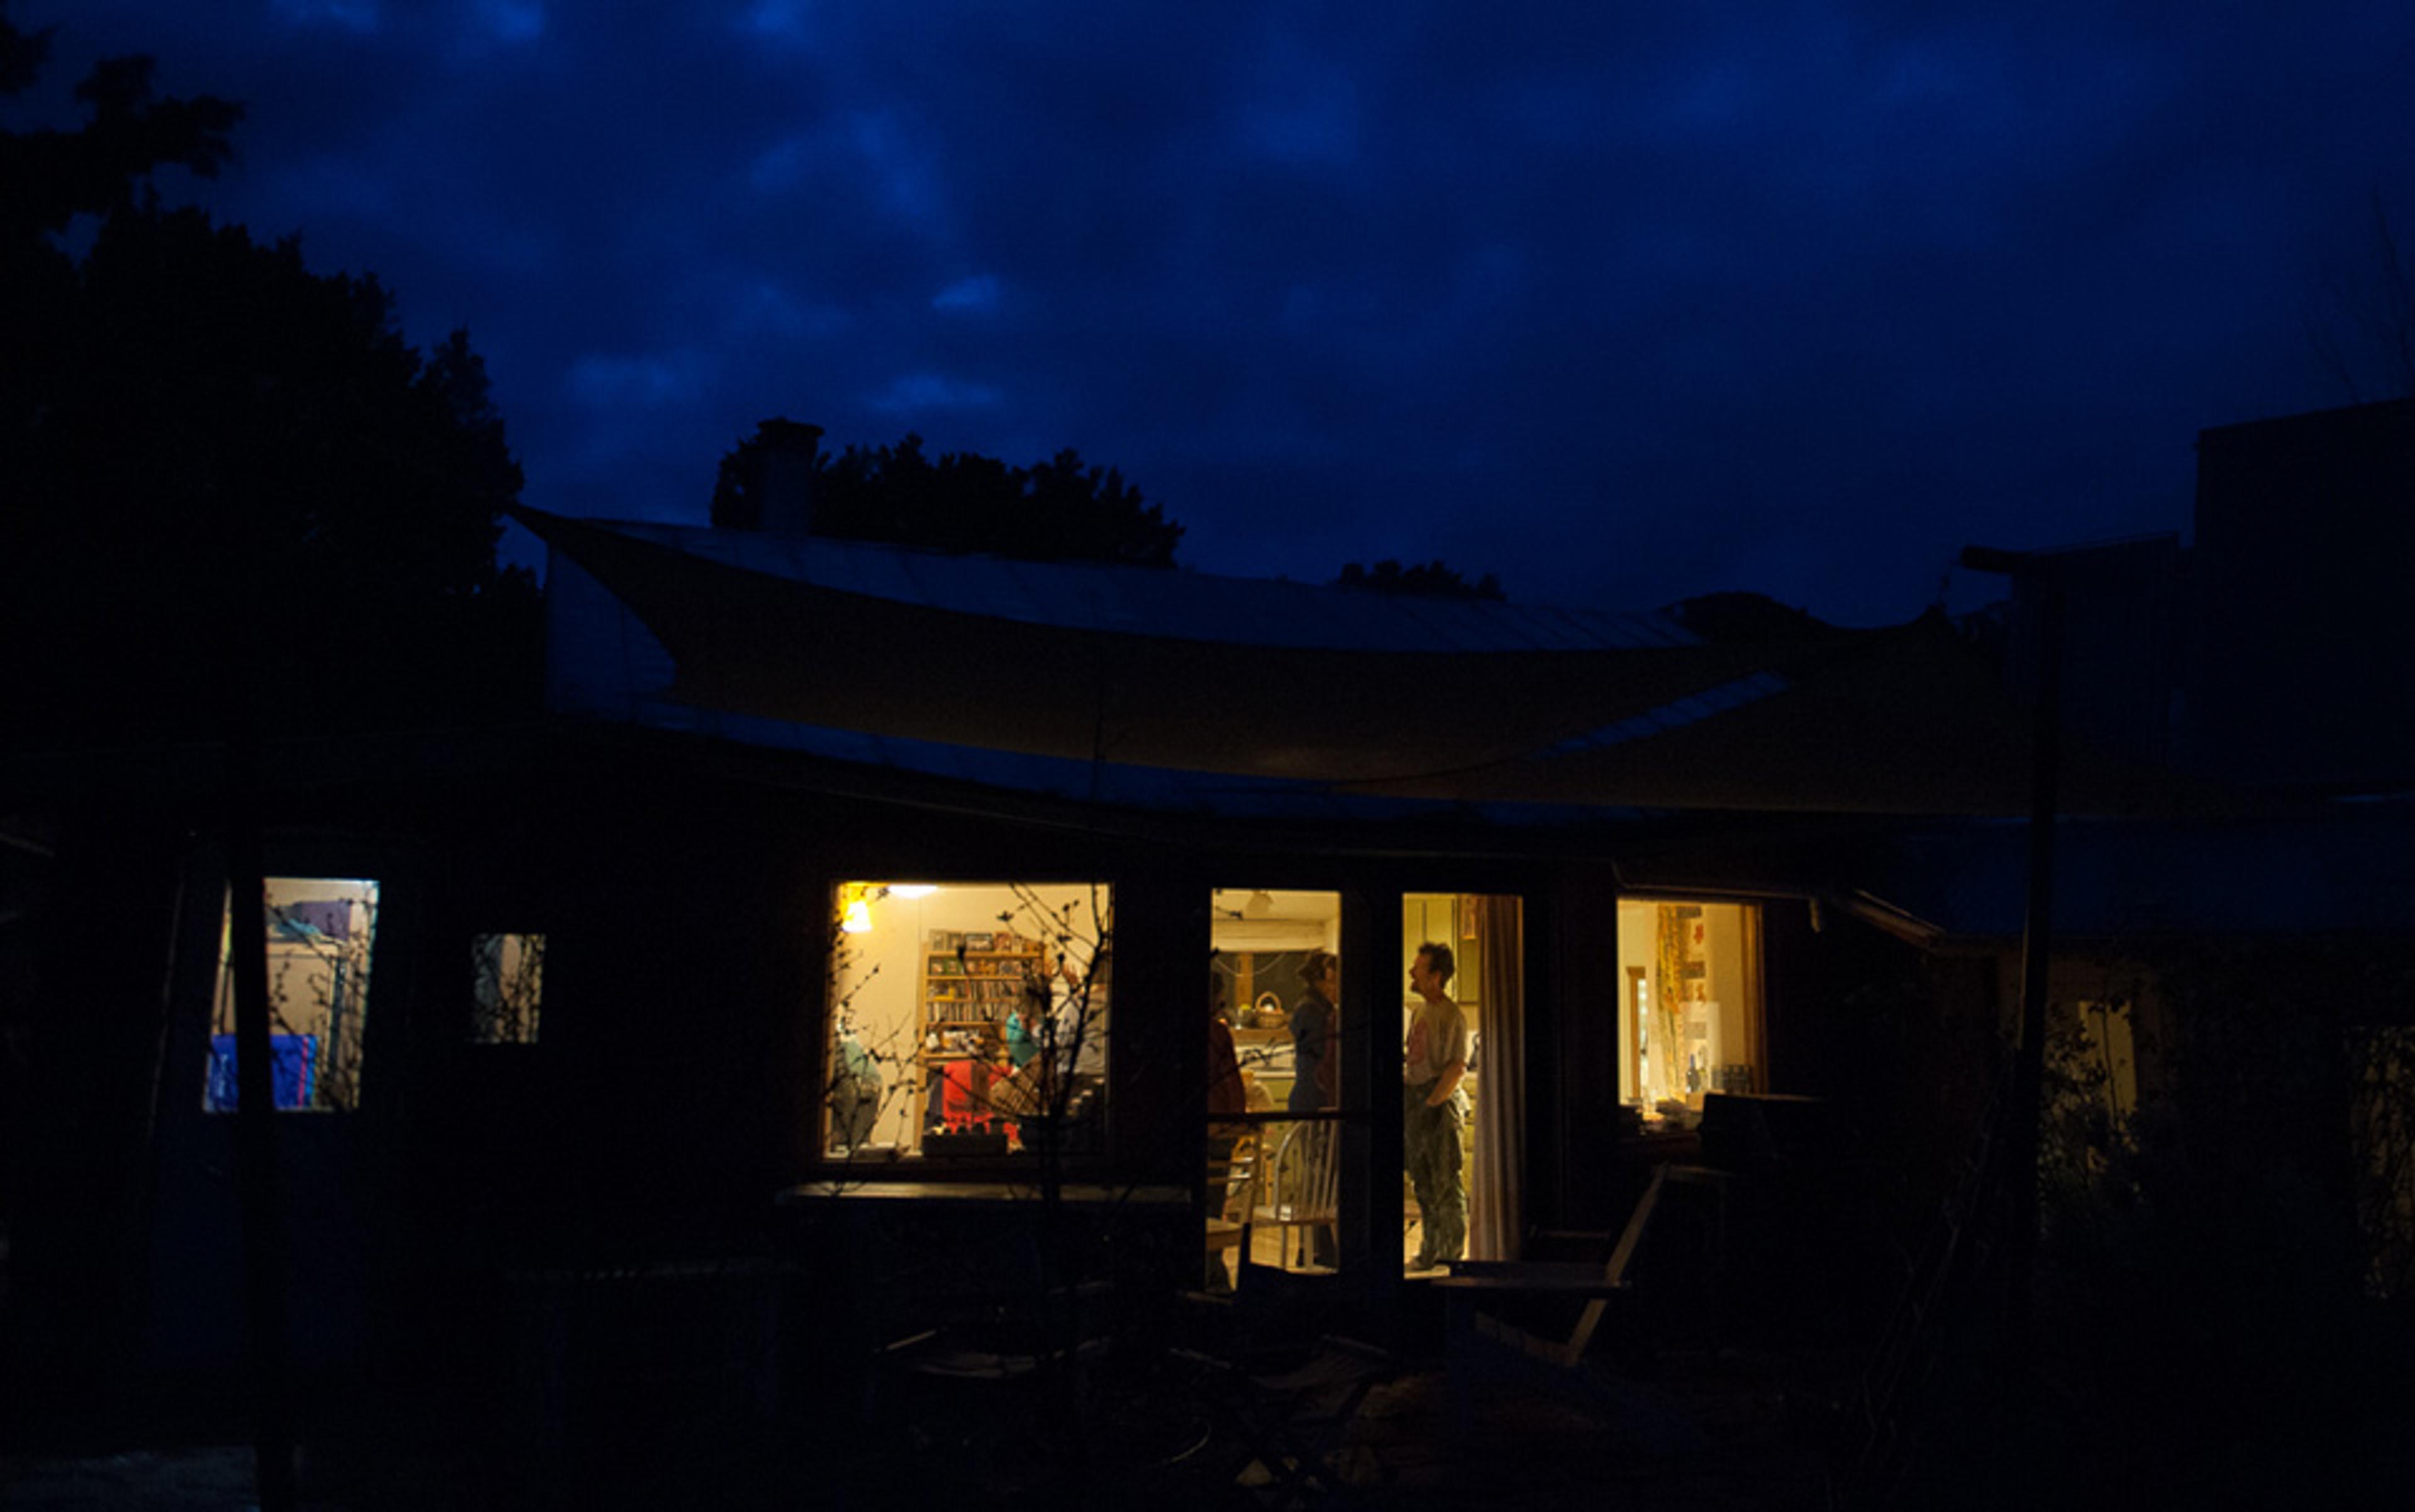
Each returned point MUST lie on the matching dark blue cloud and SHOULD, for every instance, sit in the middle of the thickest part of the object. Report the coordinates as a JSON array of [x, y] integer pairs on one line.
[[1623, 306]]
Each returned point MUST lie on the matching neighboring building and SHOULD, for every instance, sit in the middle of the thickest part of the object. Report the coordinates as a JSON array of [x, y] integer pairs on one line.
[[2269, 660], [2269, 653]]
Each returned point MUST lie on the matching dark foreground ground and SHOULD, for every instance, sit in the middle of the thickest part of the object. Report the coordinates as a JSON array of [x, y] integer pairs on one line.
[[2139, 1395], [1703, 1430], [1708, 1430]]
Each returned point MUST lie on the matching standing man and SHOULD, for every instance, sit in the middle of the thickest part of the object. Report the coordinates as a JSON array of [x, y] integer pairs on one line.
[[1433, 1062]]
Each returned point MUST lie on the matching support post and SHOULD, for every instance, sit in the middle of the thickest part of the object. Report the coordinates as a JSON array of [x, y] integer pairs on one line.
[[2037, 954]]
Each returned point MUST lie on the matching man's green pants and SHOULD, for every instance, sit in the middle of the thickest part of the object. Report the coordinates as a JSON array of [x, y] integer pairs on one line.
[[1432, 1153]]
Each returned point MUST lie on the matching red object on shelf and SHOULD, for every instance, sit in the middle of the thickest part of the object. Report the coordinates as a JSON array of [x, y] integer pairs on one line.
[[963, 1098]]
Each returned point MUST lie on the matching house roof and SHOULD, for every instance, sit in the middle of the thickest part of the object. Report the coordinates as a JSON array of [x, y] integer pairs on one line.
[[1176, 688]]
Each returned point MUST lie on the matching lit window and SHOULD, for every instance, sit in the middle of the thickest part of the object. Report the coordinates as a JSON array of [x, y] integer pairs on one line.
[[507, 981], [322, 932], [1691, 1006], [1274, 1036], [968, 1021]]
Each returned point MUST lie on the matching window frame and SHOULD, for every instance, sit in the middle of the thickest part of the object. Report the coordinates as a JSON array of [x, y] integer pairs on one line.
[[906, 1163], [373, 955], [1754, 969]]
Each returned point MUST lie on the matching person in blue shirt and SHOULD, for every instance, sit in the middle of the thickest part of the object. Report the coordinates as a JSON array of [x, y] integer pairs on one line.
[[1312, 1034], [1023, 1024]]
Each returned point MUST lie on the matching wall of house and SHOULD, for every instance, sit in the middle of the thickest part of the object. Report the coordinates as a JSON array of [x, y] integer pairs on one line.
[[75, 1099], [1735, 985], [341, 1211], [675, 1086]]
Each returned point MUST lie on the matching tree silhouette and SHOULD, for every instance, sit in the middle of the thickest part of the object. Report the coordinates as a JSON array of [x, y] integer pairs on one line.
[[1056, 510], [1431, 580], [54, 176], [201, 440]]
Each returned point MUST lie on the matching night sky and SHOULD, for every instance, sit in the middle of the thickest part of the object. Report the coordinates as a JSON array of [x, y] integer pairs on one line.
[[1624, 303]]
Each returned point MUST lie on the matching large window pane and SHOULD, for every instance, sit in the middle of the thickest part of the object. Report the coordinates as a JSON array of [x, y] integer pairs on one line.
[[968, 1021], [322, 932], [1274, 1037]]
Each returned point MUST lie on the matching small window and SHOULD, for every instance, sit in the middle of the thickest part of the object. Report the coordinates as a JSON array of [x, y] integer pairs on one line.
[[967, 1021], [507, 983], [322, 934]]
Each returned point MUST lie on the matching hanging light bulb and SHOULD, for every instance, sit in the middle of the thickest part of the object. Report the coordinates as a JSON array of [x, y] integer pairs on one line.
[[911, 889]]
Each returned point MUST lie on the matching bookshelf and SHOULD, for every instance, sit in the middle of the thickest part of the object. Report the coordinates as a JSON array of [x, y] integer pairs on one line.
[[971, 980]]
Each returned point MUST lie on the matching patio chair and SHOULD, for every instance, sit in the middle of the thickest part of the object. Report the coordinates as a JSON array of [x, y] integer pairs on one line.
[[1483, 1345], [1287, 1428]]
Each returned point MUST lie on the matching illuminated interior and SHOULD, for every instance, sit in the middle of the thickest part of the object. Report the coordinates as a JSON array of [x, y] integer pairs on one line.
[[968, 1021], [321, 934], [1462, 922], [1271, 1181], [1690, 1010]]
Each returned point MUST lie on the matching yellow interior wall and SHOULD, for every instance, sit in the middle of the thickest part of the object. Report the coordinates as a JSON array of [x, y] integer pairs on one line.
[[1635, 925], [301, 977]]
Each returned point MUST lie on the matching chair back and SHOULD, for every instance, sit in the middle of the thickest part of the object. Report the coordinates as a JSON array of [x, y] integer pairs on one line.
[[1302, 1185]]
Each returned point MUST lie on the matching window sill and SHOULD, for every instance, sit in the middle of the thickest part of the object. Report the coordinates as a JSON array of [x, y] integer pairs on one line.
[[1000, 1191]]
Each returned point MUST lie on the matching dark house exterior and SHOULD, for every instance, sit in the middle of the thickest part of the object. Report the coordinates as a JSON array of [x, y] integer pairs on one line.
[[713, 964], [570, 992]]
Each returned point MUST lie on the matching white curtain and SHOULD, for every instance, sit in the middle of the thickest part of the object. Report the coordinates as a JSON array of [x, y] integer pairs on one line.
[[1496, 1188]]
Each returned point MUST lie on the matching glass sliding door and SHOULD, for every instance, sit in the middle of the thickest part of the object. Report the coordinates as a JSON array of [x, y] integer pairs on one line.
[[1272, 1102], [1462, 1028]]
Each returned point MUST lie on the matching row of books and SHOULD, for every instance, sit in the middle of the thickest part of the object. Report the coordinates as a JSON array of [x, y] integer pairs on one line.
[[974, 989], [1013, 966], [952, 940]]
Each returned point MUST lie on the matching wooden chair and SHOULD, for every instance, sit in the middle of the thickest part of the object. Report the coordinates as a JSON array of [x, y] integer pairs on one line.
[[1482, 1345], [1231, 1189], [1299, 1191]]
